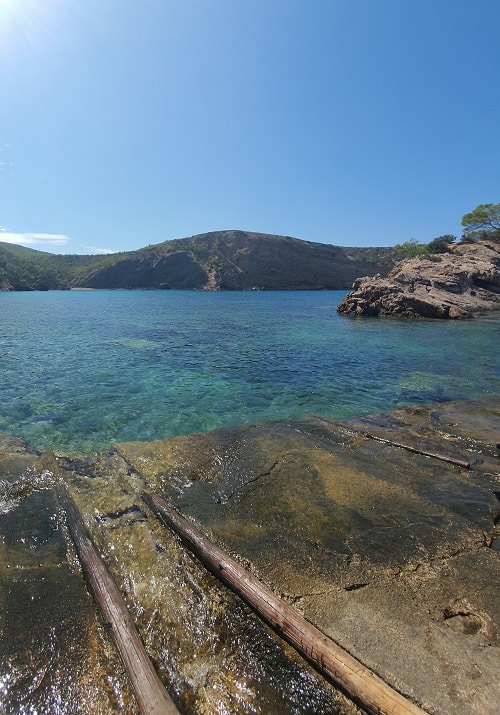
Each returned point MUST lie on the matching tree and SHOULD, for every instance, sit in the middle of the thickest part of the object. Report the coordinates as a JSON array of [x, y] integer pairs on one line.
[[410, 249], [441, 244], [479, 223]]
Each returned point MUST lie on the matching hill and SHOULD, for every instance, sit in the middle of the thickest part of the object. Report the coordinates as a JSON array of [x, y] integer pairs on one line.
[[24, 269], [220, 260]]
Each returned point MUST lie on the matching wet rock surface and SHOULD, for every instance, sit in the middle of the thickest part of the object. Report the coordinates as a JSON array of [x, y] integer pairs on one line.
[[392, 553], [55, 653], [460, 284]]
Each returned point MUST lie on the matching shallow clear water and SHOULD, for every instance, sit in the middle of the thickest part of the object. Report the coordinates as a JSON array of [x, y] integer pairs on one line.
[[80, 370]]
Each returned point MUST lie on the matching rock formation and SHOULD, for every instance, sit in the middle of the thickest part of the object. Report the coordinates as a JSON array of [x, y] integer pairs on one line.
[[459, 284]]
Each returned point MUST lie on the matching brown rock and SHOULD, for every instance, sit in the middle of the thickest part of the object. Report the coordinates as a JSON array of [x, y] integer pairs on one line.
[[461, 284]]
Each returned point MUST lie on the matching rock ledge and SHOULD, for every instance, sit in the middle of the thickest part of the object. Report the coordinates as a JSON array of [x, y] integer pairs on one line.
[[460, 284]]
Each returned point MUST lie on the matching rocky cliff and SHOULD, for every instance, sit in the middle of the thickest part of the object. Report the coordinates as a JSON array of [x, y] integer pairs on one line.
[[459, 284], [238, 260]]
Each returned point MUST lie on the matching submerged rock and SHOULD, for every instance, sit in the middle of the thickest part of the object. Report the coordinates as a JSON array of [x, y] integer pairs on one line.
[[390, 552], [461, 284]]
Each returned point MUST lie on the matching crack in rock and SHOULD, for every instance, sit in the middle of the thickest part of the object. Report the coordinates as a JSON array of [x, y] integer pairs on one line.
[[224, 498], [122, 517]]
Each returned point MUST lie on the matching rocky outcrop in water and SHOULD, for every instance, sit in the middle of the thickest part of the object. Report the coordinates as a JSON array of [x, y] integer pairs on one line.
[[459, 284]]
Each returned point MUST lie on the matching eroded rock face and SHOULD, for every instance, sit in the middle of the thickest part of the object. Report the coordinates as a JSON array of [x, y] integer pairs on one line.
[[461, 284], [175, 270]]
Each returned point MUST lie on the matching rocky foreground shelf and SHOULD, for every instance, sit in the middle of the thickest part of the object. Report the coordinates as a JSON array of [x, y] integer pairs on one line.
[[382, 533]]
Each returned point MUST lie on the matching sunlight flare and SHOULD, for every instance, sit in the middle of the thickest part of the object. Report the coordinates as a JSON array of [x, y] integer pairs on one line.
[[25, 22]]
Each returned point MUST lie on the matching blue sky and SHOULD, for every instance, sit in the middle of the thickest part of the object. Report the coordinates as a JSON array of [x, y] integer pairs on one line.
[[354, 122]]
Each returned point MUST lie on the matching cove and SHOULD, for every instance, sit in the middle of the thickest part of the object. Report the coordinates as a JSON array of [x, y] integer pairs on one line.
[[81, 370]]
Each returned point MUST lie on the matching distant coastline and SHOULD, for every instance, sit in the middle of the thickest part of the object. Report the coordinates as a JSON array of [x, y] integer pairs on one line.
[[221, 260]]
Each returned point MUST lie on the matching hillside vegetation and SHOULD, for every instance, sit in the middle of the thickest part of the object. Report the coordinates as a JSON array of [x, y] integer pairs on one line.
[[221, 260], [26, 269]]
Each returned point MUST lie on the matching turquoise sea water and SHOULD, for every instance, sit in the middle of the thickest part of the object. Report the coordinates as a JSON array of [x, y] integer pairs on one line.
[[80, 370]]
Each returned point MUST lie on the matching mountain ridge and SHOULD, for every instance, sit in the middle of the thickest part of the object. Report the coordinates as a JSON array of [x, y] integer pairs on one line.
[[217, 260]]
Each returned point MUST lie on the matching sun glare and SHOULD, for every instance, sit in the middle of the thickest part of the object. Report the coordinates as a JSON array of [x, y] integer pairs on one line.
[[9, 7], [24, 23], [5, 8], [13, 13]]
